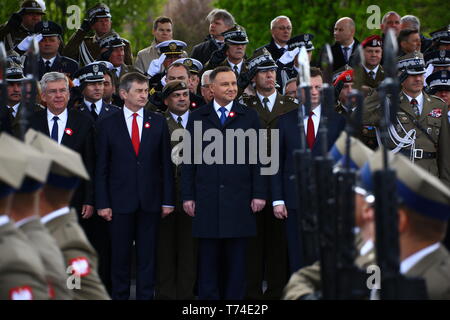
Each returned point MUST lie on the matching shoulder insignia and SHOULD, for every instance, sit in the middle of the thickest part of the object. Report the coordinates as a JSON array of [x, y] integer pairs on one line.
[[80, 266], [21, 293]]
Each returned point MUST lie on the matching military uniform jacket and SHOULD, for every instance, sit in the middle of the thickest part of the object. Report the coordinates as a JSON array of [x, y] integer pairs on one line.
[[61, 64], [435, 269], [15, 121], [86, 49], [223, 192], [433, 119], [79, 254], [369, 81], [203, 51], [105, 111], [12, 37], [22, 275], [47, 248]]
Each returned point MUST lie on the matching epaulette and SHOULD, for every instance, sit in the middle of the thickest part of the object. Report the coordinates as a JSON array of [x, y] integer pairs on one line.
[[70, 59], [288, 99]]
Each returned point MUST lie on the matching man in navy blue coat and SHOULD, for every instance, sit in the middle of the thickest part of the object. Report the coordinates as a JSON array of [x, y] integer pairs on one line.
[[134, 185], [283, 186], [222, 198]]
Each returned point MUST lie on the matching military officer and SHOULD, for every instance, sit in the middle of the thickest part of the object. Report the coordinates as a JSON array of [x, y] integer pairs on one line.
[[21, 24], [195, 68], [24, 211], [421, 131], [371, 73], [269, 247], [177, 249], [49, 57], [439, 85], [80, 257], [22, 275], [437, 60], [306, 282], [423, 212], [86, 49]]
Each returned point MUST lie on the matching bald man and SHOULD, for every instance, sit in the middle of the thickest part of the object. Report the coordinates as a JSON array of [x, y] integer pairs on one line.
[[345, 45]]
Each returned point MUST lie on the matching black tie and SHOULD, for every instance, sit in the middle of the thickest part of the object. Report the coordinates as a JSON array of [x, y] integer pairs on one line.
[[265, 102], [180, 121], [47, 66], [372, 74], [415, 107], [236, 70], [93, 112], [346, 49]]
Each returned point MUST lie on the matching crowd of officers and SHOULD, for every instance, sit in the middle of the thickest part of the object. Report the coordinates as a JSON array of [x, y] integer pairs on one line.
[[51, 237]]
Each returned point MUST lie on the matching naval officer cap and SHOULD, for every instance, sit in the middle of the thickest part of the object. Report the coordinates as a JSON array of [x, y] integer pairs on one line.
[[442, 35], [171, 47], [94, 72], [193, 65]]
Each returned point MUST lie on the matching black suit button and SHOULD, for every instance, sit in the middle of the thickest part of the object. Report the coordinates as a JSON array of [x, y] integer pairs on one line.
[[222, 186]]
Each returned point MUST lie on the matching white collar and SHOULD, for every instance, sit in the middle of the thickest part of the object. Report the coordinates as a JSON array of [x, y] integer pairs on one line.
[[128, 113], [15, 107], [279, 47], [4, 219], [349, 46], [375, 70], [184, 117], [317, 111], [413, 259], [98, 105], [367, 246], [26, 220], [419, 98], [271, 98], [51, 60], [62, 116], [55, 214], [239, 65], [218, 106]]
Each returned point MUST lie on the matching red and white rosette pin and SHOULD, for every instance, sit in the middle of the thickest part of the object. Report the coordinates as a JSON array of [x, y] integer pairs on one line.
[[80, 266], [68, 131], [147, 125]]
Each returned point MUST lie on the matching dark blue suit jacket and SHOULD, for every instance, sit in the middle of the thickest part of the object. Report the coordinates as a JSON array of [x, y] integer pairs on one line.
[[223, 192], [126, 182], [61, 64], [283, 183]]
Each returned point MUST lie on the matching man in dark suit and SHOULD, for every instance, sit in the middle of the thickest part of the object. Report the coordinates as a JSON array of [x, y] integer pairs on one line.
[[281, 29], [69, 128], [222, 198], [345, 45], [134, 185], [283, 187], [220, 20], [49, 58]]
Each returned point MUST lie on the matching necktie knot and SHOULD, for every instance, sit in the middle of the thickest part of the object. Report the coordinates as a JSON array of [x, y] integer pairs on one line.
[[311, 113], [93, 106], [371, 74], [135, 115], [414, 101], [55, 118], [47, 63], [266, 103], [180, 120], [415, 107]]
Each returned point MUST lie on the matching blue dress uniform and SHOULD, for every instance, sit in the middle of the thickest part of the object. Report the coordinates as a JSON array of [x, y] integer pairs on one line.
[[222, 193]]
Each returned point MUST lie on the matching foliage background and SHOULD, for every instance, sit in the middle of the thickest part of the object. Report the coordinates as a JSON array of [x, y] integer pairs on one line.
[[133, 18]]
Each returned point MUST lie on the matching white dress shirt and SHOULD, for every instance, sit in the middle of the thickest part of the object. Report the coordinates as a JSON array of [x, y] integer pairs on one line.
[[419, 100], [239, 65], [284, 47], [15, 108], [51, 60], [62, 122], [271, 102], [55, 214], [415, 258], [98, 105], [129, 120], [375, 70], [218, 106], [184, 118], [349, 52], [118, 69]]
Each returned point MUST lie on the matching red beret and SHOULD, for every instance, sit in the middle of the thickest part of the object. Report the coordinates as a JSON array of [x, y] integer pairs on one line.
[[372, 41], [346, 76]]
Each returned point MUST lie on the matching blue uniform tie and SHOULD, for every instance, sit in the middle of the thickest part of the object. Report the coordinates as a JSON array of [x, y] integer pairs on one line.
[[54, 134], [223, 116]]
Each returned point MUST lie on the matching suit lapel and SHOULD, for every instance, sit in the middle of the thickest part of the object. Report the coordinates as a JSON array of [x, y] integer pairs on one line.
[[426, 108], [146, 130], [234, 113], [56, 64], [42, 123], [72, 123], [212, 115]]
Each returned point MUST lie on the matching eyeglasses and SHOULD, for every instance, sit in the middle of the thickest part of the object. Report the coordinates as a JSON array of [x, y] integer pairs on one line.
[[288, 28]]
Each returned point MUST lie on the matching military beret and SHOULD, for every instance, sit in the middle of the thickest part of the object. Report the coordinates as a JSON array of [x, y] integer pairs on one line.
[[438, 81], [235, 35], [111, 40], [48, 29], [14, 74], [416, 188], [339, 71], [100, 10], [359, 152], [372, 41], [302, 40], [262, 60], [438, 58], [171, 47], [411, 63], [346, 77], [193, 65], [67, 165], [441, 35], [13, 166], [32, 6], [173, 86]]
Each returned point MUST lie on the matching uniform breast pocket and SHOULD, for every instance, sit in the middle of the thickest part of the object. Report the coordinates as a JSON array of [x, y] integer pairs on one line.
[[433, 126]]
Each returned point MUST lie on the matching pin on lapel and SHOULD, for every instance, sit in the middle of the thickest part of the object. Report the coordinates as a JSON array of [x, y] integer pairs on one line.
[[68, 131], [147, 125], [231, 114]]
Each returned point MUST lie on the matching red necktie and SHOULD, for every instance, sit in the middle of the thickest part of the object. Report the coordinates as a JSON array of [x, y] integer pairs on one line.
[[135, 134], [310, 135]]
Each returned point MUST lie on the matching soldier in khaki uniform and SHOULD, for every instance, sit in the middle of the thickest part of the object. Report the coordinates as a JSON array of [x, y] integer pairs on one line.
[[177, 249], [21, 24], [423, 212], [421, 130], [22, 275], [24, 211], [371, 73], [79, 256], [306, 283], [85, 49], [268, 250]]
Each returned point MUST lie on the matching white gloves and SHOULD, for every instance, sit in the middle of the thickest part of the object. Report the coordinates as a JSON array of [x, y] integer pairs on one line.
[[26, 43], [155, 65], [289, 56]]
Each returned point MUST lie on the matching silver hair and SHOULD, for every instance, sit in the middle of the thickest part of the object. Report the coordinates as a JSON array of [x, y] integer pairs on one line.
[[272, 23], [383, 21], [52, 77], [221, 14], [413, 20], [204, 76]]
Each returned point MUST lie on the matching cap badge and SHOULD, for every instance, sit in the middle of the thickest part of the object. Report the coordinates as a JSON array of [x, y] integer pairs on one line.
[[95, 68], [188, 63], [172, 46]]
